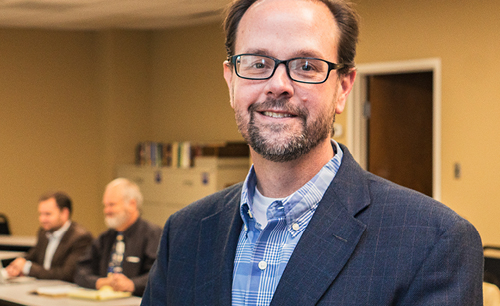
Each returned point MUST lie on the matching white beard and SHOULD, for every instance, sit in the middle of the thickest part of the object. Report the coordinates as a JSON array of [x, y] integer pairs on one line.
[[117, 220]]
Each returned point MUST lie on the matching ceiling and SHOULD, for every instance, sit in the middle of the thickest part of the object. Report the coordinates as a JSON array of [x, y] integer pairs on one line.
[[108, 14]]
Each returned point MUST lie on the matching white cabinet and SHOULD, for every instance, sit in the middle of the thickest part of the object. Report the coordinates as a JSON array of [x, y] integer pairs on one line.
[[167, 190]]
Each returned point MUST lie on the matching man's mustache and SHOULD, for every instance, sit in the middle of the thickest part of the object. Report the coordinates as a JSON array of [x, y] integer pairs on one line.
[[281, 104]]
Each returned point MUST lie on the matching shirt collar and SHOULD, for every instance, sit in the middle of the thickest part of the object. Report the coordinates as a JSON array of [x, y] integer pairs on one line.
[[60, 232], [131, 229], [299, 202]]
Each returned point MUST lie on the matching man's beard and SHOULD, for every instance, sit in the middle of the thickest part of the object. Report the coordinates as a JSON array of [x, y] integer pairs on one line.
[[117, 220], [284, 145]]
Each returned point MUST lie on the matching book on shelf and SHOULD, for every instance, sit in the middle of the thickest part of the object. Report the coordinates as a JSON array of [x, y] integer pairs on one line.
[[183, 154], [175, 154]]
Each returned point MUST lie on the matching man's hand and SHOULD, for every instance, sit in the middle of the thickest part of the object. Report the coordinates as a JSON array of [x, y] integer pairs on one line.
[[117, 281], [101, 282], [16, 267], [120, 282]]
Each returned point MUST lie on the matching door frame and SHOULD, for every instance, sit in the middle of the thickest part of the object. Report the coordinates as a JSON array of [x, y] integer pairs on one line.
[[357, 125]]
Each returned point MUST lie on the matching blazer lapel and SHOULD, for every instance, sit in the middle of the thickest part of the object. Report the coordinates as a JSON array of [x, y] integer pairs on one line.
[[59, 254], [219, 235], [329, 240], [42, 247]]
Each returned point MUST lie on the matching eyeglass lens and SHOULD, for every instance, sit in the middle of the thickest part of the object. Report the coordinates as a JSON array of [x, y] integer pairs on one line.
[[300, 69]]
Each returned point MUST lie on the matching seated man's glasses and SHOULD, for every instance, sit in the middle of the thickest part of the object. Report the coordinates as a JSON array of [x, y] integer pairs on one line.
[[300, 69]]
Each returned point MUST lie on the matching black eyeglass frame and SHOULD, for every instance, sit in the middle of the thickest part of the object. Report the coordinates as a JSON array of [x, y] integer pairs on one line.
[[277, 62]]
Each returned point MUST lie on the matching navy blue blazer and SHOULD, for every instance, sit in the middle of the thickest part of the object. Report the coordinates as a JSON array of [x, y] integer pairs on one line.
[[370, 242]]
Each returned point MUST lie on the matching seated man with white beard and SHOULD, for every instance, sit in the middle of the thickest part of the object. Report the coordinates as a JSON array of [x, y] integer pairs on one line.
[[122, 256]]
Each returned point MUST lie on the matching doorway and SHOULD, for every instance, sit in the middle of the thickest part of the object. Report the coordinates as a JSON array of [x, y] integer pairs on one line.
[[394, 116]]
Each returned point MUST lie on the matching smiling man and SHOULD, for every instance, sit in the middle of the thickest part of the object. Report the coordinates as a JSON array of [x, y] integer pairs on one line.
[[121, 256], [60, 242], [308, 226]]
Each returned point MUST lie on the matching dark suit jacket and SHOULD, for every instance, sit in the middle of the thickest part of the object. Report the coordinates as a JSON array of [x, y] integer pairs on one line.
[[72, 245], [141, 242], [370, 242]]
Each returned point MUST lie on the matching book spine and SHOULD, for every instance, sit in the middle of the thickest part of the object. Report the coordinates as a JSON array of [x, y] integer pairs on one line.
[[175, 154]]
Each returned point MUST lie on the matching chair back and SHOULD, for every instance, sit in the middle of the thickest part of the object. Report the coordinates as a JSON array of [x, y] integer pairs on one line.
[[492, 264], [4, 225]]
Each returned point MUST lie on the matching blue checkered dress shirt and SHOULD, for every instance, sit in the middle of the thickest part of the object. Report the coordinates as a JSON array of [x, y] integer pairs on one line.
[[262, 255]]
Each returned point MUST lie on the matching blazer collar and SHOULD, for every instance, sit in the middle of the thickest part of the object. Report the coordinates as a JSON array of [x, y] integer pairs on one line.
[[60, 232]]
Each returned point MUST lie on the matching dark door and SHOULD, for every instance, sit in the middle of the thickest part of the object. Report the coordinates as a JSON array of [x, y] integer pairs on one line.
[[400, 129]]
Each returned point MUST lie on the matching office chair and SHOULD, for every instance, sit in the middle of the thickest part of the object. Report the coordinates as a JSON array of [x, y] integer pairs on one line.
[[492, 264], [4, 225]]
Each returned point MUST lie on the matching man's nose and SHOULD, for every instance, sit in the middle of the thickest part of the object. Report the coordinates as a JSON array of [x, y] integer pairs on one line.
[[280, 83]]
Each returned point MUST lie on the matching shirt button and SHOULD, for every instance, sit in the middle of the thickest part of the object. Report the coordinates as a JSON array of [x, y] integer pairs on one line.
[[295, 227], [262, 265]]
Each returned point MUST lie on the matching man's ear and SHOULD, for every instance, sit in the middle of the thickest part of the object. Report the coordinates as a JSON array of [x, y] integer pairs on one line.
[[132, 204], [228, 76], [345, 87], [65, 213]]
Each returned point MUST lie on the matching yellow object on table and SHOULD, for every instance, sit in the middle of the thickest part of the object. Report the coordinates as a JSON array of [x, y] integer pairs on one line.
[[105, 293]]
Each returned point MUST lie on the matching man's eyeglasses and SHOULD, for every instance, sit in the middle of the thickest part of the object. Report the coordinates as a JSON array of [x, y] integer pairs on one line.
[[300, 69]]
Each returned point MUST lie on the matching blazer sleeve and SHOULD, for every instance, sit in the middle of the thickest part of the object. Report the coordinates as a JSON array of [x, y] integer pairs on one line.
[[149, 257], [452, 273], [34, 253], [87, 268], [65, 270]]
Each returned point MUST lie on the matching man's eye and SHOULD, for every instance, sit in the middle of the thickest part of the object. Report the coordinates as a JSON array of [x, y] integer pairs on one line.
[[306, 66], [258, 65]]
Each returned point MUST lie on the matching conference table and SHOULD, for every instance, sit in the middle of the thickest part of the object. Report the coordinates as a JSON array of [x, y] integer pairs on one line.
[[12, 247], [15, 294], [24, 293], [5, 255], [16, 243]]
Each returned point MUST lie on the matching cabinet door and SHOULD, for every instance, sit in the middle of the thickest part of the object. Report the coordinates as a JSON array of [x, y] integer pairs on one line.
[[167, 190], [175, 189], [185, 185]]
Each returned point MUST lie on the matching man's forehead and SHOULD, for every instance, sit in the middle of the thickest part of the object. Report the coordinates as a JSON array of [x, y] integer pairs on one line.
[[111, 194], [304, 27], [282, 5], [50, 202]]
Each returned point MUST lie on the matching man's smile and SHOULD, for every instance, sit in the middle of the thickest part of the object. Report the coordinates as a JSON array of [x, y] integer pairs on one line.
[[277, 114]]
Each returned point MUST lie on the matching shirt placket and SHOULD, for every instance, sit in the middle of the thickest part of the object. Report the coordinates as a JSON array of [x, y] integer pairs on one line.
[[265, 260]]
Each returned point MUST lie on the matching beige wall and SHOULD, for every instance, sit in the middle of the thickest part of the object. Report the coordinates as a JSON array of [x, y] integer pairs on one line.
[[465, 36], [74, 104], [49, 122], [190, 96]]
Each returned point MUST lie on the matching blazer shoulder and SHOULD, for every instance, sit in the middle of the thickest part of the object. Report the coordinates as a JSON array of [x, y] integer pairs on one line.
[[372, 198], [79, 231], [149, 229], [413, 207]]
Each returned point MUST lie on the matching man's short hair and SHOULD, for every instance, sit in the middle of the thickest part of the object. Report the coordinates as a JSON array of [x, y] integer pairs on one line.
[[128, 190], [343, 13], [62, 200]]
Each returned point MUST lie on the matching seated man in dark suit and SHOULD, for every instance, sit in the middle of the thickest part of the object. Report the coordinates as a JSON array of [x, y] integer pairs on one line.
[[60, 242], [122, 256]]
